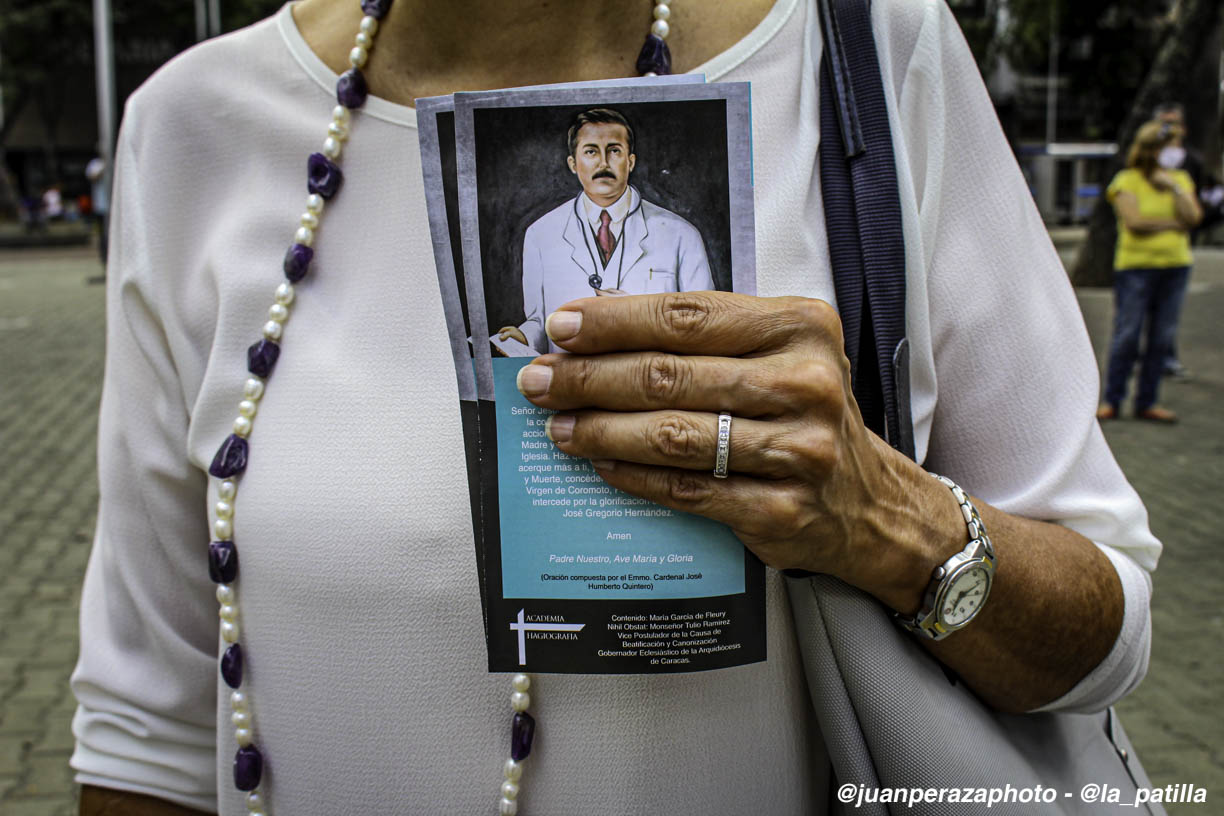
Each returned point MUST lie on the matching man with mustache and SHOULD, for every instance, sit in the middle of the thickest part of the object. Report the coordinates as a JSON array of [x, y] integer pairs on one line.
[[606, 241]]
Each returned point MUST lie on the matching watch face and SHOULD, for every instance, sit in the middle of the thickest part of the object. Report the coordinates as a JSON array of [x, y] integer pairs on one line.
[[966, 592]]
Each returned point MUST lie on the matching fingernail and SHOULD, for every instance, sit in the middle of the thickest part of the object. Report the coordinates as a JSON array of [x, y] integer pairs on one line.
[[603, 464], [533, 380], [563, 325], [560, 428]]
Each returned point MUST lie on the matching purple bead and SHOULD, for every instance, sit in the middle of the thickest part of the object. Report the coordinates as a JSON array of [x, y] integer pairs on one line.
[[231, 457], [231, 664], [322, 175], [222, 563], [261, 357], [351, 89], [655, 56], [376, 8], [297, 262], [248, 768], [522, 731]]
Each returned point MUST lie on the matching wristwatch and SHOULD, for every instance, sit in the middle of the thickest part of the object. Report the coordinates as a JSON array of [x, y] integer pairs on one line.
[[959, 586]]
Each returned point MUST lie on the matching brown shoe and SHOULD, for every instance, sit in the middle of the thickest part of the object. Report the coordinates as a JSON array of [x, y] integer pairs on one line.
[[1157, 414], [1107, 411]]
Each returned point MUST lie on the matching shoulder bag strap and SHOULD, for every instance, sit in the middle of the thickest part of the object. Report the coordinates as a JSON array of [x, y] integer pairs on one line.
[[863, 219]]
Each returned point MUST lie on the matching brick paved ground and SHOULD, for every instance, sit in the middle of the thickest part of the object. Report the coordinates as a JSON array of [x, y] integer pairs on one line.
[[51, 340], [1177, 716], [51, 343]]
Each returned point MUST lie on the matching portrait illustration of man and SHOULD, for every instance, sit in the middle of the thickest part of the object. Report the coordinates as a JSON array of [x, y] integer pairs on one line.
[[607, 240]]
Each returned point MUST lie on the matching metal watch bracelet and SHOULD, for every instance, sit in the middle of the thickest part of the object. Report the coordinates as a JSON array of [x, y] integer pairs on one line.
[[972, 570]]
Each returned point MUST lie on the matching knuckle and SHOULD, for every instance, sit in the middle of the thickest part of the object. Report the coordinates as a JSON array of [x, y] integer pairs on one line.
[[814, 384], [664, 377], [813, 450], [579, 373], [818, 316], [676, 437], [685, 488], [686, 314], [788, 515], [592, 433], [825, 383]]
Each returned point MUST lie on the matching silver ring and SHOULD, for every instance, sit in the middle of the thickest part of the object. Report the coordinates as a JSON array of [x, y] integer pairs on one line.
[[723, 453]]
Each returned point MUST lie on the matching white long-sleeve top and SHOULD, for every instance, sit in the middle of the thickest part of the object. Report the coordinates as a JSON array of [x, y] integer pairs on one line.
[[359, 603]]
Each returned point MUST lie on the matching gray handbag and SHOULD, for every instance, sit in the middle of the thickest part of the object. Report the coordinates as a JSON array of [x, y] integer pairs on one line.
[[891, 716]]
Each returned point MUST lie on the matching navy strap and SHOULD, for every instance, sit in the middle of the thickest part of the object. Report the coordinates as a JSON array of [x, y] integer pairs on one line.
[[863, 218]]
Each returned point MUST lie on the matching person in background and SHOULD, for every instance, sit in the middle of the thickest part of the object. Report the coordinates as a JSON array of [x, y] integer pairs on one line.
[[95, 171], [1211, 196], [1156, 207], [53, 203]]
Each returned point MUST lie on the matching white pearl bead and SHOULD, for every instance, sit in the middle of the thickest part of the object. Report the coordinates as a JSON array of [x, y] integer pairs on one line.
[[241, 719], [338, 130], [662, 12], [224, 509], [229, 631], [238, 701], [521, 682], [331, 147], [650, 74], [253, 389], [242, 736], [247, 408], [509, 790], [520, 701], [660, 29], [284, 293], [242, 426], [358, 57], [273, 330], [364, 40], [228, 612], [507, 807], [369, 25], [341, 114], [314, 201], [227, 489], [254, 801], [225, 594], [309, 219], [278, 312], [223, 529], [513, 770], [304, 236]]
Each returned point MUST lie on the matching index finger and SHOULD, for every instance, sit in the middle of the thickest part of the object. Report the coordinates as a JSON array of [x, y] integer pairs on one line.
[[722, 324]]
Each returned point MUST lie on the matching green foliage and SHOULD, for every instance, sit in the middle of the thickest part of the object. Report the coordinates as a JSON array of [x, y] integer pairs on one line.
[[1105, 48], [977, 20], [41, 41]]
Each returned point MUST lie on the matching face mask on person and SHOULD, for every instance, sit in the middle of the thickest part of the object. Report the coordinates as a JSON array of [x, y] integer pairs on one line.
[[1171, 157]]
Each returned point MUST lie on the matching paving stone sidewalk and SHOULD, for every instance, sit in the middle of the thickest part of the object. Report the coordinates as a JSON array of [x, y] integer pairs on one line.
[[51, 352], [1176, 717]]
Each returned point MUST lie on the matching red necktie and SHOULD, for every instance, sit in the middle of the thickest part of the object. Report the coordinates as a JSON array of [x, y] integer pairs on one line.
[[606, 242]]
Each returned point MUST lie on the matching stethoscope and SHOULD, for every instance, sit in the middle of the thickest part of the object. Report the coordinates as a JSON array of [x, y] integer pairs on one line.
[[595, 280]]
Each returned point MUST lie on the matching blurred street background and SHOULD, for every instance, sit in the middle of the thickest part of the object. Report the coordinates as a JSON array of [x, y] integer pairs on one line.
[[1071, 83]]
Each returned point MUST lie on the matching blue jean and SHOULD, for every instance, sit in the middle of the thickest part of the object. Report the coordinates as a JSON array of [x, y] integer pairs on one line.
[[1154, 297]]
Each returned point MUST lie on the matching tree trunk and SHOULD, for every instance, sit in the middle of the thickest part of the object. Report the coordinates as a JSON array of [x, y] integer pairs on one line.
[[1194, 25]]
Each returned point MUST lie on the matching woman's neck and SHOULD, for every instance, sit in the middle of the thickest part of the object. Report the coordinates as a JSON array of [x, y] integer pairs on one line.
[[431, 48]]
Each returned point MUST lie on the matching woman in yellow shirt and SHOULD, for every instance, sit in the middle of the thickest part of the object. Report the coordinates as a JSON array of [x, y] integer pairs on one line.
[[1156, 208]]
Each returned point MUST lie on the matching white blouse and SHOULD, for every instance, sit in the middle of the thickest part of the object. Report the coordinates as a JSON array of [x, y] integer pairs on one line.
[[360, 608]]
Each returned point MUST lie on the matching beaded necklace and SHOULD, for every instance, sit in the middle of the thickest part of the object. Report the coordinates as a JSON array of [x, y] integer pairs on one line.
[[323, 180]]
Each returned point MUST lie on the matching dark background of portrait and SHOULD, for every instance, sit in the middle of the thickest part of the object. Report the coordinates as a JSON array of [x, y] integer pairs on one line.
[[521, 173]]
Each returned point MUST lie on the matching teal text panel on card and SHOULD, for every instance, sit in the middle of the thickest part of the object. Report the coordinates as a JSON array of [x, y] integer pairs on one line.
[[566, 534]]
